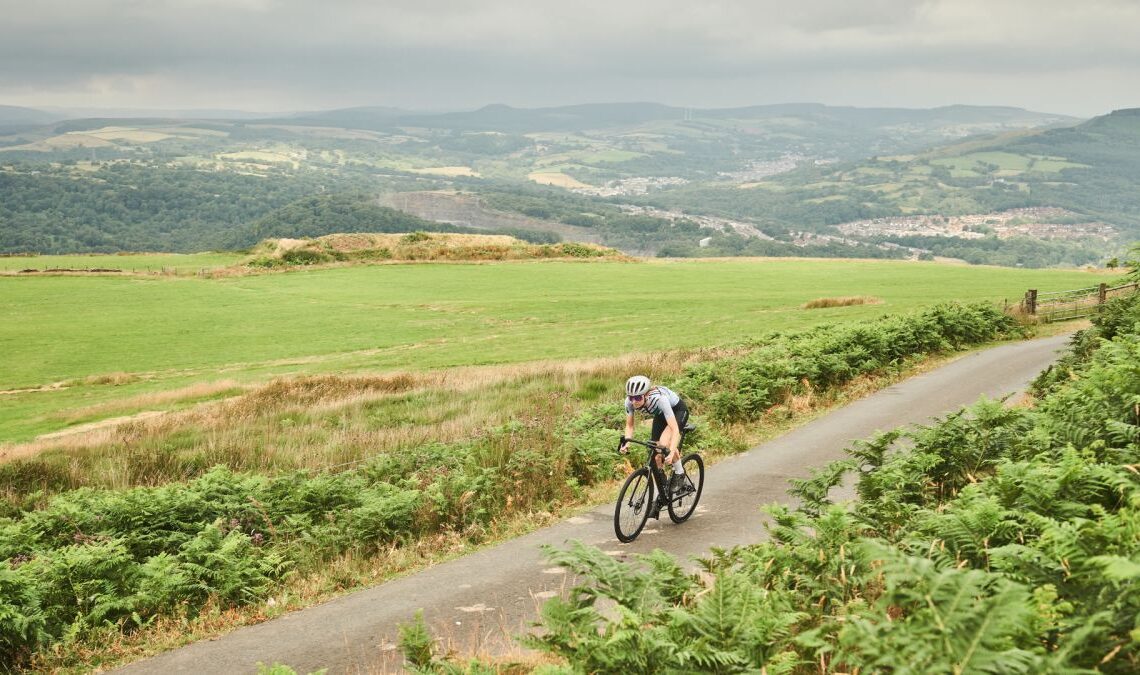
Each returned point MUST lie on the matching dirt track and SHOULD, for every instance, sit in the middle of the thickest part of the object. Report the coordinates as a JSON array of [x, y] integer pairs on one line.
[[477, 601]]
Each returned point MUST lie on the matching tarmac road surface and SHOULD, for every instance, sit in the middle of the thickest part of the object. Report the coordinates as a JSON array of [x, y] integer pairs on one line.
[[477, 602]]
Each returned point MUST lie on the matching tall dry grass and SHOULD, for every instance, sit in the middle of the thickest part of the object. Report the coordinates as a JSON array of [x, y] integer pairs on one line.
[[320, 422], [845, 301], [197, 391]]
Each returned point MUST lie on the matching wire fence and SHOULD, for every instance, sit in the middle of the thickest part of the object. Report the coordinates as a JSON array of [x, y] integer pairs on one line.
[[1072, 304]]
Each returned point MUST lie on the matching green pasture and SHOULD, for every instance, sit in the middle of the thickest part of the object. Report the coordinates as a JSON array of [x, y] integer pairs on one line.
[[1009, 164], [873, 171], [1054, 165], [178, 263], [606, 156], [112, 339]]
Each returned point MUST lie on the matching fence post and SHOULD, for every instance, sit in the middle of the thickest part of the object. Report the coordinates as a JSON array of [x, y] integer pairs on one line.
[[1101, 294], [1031, 301]]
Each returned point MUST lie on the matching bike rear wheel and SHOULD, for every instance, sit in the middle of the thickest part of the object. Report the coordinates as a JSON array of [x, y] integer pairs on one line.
[[681, 507], [633, 504]]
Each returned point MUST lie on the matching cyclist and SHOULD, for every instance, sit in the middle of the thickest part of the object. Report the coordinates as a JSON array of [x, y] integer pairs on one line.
[[669, 416]]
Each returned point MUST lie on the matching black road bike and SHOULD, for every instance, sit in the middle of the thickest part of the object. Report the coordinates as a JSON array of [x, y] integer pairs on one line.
[[646, 490]]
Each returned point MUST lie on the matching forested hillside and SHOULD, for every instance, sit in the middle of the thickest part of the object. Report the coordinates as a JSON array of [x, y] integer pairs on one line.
[[126, 207], [1107, 150]]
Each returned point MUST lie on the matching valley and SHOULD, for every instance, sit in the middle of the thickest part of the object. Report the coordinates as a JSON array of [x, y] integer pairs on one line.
[[752, 181]]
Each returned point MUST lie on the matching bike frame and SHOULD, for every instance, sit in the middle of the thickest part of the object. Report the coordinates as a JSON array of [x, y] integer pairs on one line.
[[653, 450]]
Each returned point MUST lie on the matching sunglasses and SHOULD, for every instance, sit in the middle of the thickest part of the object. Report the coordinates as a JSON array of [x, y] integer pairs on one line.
[[637, 398]]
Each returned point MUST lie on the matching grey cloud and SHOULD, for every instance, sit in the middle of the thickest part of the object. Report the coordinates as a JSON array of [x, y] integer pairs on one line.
[[350, 51]]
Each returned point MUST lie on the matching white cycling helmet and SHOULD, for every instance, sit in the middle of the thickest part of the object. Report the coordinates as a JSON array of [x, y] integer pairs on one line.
[[637, 385]]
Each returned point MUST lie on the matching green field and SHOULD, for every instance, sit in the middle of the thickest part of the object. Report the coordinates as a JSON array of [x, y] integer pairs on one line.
[[180, 263], [111, 339], [1008, 164]]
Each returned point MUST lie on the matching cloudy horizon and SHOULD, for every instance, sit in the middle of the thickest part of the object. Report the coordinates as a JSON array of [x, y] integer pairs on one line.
[[293, 55]]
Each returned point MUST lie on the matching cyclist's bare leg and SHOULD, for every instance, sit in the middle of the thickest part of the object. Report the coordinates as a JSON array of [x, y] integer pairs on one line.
[[665, 441]]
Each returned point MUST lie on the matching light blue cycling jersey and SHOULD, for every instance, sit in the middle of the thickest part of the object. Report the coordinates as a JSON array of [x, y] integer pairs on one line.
[[658, 401]]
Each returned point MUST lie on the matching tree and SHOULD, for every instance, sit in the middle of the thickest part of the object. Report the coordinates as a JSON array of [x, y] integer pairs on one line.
[[1133, 262]]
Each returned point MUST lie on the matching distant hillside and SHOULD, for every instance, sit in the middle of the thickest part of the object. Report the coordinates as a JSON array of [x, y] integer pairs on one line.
[[497, 117], [340, 213], [14, 119], [644, 177], [591, 145], [504, 118], [15, 115], [1088, 171], [1105, 184], [477, 212], [123, 207]]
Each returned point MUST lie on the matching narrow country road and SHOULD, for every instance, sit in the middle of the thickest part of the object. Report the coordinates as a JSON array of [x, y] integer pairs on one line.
[[477, 602]]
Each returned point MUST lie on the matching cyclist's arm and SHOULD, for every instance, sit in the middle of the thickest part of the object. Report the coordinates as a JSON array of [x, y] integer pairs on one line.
[[628, 430]]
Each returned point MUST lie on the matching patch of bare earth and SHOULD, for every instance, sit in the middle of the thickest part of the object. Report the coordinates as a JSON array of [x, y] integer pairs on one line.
[[54, 386]]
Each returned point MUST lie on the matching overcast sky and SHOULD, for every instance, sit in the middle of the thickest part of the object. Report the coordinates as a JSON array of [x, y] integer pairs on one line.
[[1080, 57]]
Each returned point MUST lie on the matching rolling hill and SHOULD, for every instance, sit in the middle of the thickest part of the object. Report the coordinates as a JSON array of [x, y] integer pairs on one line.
[[646, 177], [1078, 178]]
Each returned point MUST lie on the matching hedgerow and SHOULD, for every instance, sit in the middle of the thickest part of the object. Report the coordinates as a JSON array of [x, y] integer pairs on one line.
[[89, 559], [783, 365], [997, 540]]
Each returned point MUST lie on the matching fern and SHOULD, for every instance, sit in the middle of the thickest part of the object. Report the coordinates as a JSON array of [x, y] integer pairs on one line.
[[970, 526], [953, 621], [813, 492]]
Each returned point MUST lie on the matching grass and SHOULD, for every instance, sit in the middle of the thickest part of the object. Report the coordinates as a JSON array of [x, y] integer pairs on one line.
[[557, 179], [1054, 165], [179, 263], [1005, 161], [604, 156], [140, 336], [322, 421], [1009, 164], [448, 171], [260, 158]]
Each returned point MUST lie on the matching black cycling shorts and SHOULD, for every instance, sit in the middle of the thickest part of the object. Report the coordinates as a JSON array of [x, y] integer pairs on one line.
[[680, 412]]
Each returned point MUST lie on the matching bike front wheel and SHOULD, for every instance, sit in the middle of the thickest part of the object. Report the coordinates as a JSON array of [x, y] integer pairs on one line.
[[682, 505], [633, 505]]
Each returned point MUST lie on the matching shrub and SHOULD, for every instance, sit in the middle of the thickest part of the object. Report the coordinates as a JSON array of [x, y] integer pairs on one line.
[[385, 513], [741, 389], [576, 250], [415, 237], [305, 256]]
